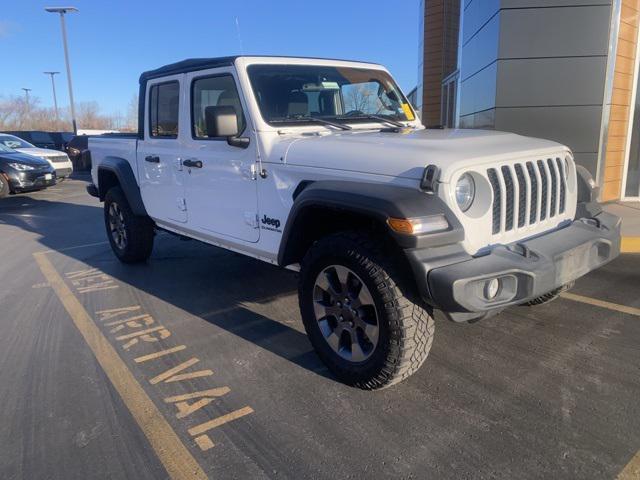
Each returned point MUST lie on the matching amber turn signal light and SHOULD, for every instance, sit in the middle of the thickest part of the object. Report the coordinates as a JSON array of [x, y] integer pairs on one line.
[[418, 226]]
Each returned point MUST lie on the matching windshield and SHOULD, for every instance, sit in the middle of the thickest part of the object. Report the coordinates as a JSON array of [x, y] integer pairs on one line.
[[12, 141], [294, 93], [5, 149]]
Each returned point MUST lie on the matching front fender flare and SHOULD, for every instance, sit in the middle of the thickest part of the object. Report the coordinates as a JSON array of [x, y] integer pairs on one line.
[[374, 200]]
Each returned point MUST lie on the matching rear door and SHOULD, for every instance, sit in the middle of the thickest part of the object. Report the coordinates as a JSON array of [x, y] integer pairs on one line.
[[222, 195], [159, 162]]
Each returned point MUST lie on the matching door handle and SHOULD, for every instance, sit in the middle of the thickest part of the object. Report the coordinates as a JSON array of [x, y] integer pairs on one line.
[[192, 163], [152, 159]]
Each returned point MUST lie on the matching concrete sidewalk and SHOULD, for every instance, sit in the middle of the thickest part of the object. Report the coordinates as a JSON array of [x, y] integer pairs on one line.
[[630, 214]]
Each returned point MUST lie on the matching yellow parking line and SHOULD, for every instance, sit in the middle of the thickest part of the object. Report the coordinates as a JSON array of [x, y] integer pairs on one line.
[[632, 470], [601, 303], [175, 457], [630, 245], [75, 247]]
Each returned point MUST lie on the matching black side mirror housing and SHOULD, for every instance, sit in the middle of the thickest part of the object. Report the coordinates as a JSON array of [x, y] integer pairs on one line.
[[221, 121]]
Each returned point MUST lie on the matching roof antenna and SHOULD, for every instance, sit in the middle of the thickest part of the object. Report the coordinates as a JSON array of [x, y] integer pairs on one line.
[[239, 36]]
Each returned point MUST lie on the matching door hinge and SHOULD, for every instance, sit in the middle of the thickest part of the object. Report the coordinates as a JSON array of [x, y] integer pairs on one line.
[[254, 171], [182, 204], [178, 164]]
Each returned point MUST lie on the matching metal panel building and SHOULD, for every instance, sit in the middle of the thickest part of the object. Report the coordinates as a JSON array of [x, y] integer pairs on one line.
[[559, 69]]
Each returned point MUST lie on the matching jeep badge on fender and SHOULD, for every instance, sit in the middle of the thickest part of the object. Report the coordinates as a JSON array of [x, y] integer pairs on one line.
[[274, 223], [386, 221]]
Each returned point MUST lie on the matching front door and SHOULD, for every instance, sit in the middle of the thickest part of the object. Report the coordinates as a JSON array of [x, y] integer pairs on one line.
[[159, 164], [221, 192]]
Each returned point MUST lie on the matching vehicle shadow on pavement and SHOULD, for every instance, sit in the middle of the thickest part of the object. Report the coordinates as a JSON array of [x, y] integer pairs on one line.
[[205, 281], [559, 382]]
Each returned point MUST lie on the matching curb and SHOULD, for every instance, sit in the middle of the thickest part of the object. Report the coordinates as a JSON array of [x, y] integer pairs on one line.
[[630, 245]]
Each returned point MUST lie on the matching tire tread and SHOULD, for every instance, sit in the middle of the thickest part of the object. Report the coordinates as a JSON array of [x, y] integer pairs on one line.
[[411, 325]]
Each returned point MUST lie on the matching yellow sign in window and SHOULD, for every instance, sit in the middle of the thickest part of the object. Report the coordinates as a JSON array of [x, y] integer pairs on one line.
[[407, 111]]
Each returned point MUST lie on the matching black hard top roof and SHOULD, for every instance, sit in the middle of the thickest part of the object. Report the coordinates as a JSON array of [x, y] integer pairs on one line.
[[194, 64]]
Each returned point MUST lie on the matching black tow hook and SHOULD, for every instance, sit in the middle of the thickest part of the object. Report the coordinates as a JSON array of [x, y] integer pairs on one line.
[[592, 222], [522, 250]]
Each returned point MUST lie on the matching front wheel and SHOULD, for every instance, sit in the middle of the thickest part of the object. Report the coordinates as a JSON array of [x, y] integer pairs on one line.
[[130, 236], [360, 314]]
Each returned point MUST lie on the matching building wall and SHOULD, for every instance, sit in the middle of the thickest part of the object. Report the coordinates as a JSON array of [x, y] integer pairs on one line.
[[538, 68], [438, 57], [620, 111]]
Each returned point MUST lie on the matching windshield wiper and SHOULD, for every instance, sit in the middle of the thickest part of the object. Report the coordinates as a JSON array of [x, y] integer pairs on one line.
[[366, 116], [309, 118]]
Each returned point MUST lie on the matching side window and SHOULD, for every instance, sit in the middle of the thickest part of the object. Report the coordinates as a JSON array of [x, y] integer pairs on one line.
[[218, 90], [163, 109]]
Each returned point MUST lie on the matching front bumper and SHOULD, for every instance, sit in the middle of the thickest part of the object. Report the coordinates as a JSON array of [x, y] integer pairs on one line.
[[64, 172], [31, 180], [525, 270]]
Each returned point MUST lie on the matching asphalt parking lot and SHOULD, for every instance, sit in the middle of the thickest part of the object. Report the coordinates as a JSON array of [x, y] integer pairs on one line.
[[196, 364]]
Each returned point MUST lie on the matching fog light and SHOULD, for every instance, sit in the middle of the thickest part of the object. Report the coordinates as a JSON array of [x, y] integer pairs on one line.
[[492, 288]]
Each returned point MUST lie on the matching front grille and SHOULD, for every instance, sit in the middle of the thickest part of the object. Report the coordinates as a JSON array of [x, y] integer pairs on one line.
[[527, 193], [497, 196], [58, 158]]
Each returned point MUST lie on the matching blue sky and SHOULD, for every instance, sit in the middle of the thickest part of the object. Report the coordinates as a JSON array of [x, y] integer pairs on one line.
[[111, 42]]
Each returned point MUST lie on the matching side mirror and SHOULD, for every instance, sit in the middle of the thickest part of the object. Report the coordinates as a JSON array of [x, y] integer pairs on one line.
[[221, 121]]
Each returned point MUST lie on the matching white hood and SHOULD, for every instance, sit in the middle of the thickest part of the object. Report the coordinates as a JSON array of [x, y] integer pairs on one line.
[[41, 152], [406, 154]]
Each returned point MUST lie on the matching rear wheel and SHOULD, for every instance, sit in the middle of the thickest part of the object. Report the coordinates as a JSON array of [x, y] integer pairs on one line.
[[130, 236], [360, 314]]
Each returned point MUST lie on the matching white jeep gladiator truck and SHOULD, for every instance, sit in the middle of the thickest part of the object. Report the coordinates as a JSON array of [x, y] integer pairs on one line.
[[321, 166]]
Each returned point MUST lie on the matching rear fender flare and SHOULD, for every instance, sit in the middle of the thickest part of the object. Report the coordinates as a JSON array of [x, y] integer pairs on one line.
[[122, 170]]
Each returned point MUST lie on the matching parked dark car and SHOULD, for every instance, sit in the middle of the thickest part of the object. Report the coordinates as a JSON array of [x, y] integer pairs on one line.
[[36, 137], [21, 173], [78, 151], [61, 139]]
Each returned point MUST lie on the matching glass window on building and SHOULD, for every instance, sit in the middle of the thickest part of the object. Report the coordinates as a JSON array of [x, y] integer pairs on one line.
[[632, 187]]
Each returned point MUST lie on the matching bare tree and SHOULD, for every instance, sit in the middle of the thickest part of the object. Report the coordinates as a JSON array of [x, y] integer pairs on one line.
[[131, 123], [359, 98], [15, 114]]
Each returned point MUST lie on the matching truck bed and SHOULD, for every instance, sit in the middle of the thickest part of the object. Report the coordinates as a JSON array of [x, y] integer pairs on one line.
[[113, 145]]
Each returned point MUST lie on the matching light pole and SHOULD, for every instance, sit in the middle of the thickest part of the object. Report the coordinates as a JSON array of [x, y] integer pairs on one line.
[[53, 86], [26, 94], [62, 11]]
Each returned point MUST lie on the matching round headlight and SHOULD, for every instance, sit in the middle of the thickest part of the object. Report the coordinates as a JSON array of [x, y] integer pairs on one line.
[[465, 192]]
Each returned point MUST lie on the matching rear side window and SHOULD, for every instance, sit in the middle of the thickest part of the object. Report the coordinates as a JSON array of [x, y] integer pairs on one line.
[[163, 109]]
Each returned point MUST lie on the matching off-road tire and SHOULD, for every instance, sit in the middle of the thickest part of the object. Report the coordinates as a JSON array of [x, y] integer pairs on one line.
[[406, 326], [548, 297], [5, 189], [139, 229]]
